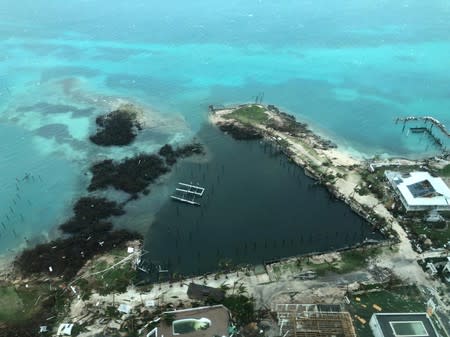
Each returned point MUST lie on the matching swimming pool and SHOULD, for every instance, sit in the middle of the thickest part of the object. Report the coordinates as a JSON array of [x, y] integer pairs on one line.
[[184, 326]]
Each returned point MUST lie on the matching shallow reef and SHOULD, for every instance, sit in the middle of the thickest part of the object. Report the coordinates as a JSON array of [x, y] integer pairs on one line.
[[117, 128], [89, 211], [67, 256], [90, 232], [90, 235], [171, 154], [134, 175]]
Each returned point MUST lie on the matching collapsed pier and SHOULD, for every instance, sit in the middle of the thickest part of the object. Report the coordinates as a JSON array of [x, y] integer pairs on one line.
[[426, 119]]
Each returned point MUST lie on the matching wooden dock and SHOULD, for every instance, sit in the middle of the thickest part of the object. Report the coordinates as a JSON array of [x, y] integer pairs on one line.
[[187, 193]]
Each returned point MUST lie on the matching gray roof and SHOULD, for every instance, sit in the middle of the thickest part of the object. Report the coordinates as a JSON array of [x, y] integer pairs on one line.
[[384, 321]]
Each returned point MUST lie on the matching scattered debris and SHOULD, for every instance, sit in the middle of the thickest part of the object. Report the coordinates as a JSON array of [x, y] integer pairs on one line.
[[201, 292], [377, 307]]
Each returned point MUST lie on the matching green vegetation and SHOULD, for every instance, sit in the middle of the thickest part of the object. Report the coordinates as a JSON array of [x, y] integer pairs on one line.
[[446, 171], [374, 183], [249, 114], [78, 329], [20, 304], [23, 309], [168, 318], [238, 302], [10, 303], [103, 280], [114, 280], [400, 299], [446, 214], [351, 260], [283, 143], [242, 308], [322, 268], [356, 259], [112, 312], [438, 233]]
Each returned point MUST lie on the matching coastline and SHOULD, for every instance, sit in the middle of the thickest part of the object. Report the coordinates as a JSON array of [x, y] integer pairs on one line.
[[332, 167], [329, 165], [319, 162], [335, 169]]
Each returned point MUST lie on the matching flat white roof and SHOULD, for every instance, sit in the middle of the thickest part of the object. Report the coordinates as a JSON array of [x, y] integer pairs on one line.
[[409, 328], [403, 182], [65, 329]]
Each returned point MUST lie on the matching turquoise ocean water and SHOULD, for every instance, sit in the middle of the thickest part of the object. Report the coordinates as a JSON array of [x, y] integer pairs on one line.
[[348, 68]]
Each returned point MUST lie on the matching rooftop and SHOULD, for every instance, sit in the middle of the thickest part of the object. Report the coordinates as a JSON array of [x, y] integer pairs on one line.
[[313, 320], [420, 188], [409, 324]]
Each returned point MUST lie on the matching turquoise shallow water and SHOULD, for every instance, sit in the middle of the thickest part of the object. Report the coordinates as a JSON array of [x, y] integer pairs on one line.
[[346, 68]]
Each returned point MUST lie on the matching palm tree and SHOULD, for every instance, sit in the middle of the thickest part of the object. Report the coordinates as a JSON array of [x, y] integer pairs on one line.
[[242, 289], [224, 286]]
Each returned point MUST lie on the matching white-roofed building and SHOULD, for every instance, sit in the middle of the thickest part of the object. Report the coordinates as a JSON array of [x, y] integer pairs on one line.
[[419, 191], [65, 329], [402, 325], [446, 270]]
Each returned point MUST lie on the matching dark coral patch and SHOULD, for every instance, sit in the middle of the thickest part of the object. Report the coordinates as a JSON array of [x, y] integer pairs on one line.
[[133, 175], [241, 132], [171, 154], [89, 213], [67, 256], [116, 128]]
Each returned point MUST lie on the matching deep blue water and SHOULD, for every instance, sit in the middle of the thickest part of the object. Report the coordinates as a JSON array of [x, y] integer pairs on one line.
[[348, 68]]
